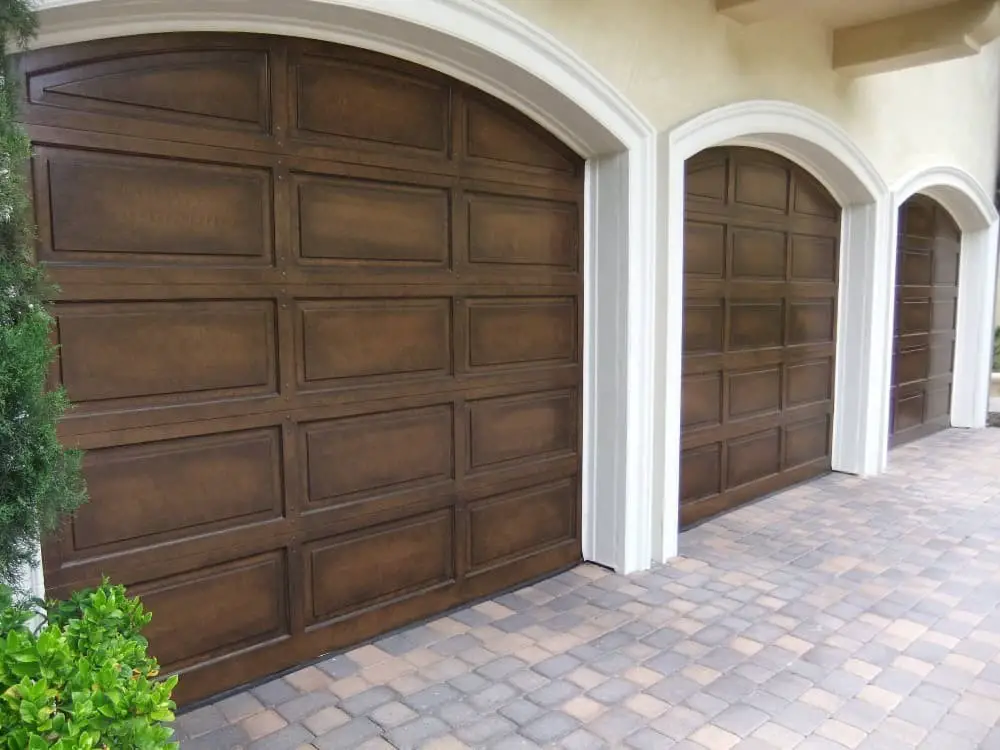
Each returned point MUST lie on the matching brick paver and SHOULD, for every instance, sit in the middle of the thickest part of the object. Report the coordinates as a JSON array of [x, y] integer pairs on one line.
[[845, 613]]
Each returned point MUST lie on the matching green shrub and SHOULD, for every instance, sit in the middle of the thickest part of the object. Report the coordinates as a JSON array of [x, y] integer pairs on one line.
[[81, 679], [996, 350]]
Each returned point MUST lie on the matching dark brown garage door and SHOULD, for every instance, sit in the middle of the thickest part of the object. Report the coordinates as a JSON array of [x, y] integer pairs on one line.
[[761, 242], [926, 308], [321, 324]]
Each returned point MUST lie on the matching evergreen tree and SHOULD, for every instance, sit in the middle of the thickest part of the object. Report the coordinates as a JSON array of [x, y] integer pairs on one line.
[[40, 480]]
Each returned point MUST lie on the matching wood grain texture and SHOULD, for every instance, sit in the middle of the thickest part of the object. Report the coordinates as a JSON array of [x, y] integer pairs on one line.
[[760, 310], [320, 319]]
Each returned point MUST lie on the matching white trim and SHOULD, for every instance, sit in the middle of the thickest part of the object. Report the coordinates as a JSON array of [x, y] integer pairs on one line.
[[864, 322], [974, 212], [486, 45]]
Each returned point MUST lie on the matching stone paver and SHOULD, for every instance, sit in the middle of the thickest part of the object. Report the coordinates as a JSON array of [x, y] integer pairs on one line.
[[844, 613]]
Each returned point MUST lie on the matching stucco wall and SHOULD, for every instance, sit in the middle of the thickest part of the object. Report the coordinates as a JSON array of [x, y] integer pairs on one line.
[[677, 58]]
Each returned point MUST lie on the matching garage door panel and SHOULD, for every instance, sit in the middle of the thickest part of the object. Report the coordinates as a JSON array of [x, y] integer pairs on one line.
[[806, 441], [521, 332], [915, 267], [140, 211], [334, 97], [811, 322], [755, 324], [809, 382], [500, 135], [239, 605], [163, 491], [206, 88], [754, 393], [773, 304], [358, 460], [512, 525], [524, 428], [946, 267], [753, 457], [528, 232], [705, 251], [757, 254], [813, 258], [138, 355], [944, 314], [701, 403], [378, 567], [912, 364], [352, 221], [344, 343]]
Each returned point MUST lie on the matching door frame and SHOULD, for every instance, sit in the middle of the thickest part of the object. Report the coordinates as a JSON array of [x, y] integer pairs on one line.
[[971, 208]]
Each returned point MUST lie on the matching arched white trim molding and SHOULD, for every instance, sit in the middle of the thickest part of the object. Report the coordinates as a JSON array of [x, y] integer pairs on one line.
[[864, 320], [970, 206], [486, 45]]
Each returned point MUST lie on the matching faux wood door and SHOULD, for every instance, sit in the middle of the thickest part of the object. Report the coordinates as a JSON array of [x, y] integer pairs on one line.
[[320, 322], [761, 245], [926, 308]]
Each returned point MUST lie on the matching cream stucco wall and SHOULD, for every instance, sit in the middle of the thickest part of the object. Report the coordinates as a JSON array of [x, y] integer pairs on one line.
[[677, 58]]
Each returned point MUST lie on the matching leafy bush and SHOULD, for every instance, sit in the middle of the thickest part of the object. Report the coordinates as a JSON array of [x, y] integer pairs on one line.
[[81, 680], [996, 350]]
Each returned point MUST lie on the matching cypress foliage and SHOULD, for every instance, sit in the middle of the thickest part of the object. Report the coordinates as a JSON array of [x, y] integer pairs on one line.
[[40, 480]]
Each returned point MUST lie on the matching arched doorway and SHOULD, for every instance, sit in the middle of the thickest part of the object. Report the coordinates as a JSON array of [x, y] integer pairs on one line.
[[927, 273], [761, 267], [322, 324]]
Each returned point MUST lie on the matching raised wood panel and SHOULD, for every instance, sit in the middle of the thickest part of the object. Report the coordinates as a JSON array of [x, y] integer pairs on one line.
[[811, 322], [928, 259], [378, 566], [225, 89], [378, 454], [504, 527], [754, 392], [701, 472], [335, 97], [759, 319], [501, 135], [753, 457], [813, 258], [758, 254], [518, 331], [703, 327], [528, 427], [806, 442], [701, 404], [373, 338], [755, 325], [155, 492], [239, 605], [316, 305], [808, 383], [165, 352], [504, 230], [369, 222], [761, 185], [704, 249], [129, 209]]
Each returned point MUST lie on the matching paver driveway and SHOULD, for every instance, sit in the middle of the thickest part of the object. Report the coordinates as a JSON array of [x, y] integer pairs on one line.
[[846, 613]]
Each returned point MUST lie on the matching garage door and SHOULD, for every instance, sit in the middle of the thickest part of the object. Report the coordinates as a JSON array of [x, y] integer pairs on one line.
[[926, 308], [761, 242], [320, 322]]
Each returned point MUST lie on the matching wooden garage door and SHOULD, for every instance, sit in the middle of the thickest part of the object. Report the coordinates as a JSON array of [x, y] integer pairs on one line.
[[320, 321], [761, 242], [926, 309]]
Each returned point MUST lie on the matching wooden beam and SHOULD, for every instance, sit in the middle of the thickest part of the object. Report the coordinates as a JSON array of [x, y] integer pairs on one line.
[[945, 32]]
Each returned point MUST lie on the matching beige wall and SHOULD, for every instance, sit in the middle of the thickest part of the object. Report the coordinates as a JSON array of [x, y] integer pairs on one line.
[[677, 58]]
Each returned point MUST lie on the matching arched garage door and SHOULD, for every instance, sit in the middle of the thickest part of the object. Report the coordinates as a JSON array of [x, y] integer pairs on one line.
[[320, 321], [761, 245], [926, 311]]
